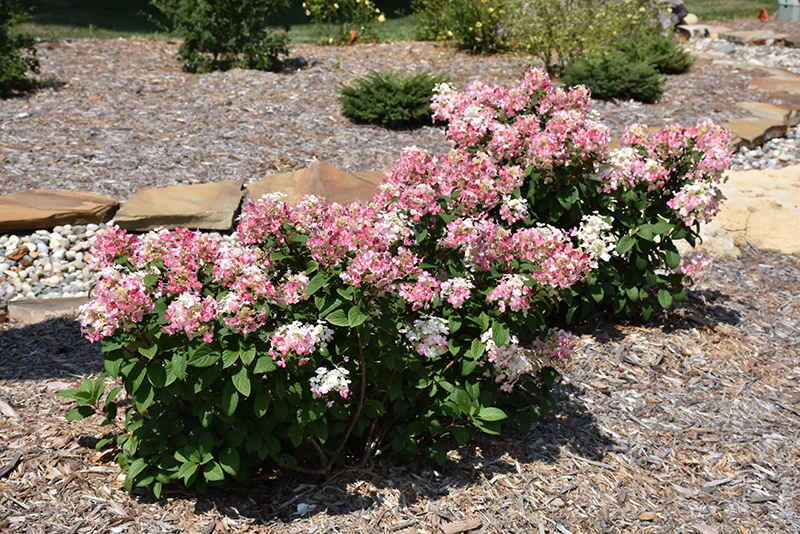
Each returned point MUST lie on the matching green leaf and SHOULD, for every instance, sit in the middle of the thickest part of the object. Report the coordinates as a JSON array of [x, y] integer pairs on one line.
[[672, 258], [241, 380], [461, 435], [230, 398], [212, 472], [204, 356], [261, 403], [148, 352], [143, 397], [229, 460], [80, 412], [338, 318], [499, 333], [264, 364], [296, 434], [395, 387], [463, 400], [186, 470], [156, 374], [467, 367], [248, 355], [356, 316], [67, 393], [316, 283], [491, 413], [229, 357], [134, 470], [625, 243], [664, 298]]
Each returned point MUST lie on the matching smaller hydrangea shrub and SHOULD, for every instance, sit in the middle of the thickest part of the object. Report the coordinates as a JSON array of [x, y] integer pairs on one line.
[[327, 334], [389, 99]]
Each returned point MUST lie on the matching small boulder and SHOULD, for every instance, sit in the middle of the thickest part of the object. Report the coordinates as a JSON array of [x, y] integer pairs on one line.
[[37, 209]]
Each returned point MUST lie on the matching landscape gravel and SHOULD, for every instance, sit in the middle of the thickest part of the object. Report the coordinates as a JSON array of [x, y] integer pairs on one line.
[[55, 263]]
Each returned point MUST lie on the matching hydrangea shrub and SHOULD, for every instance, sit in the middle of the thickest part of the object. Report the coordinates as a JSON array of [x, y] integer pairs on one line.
[[326, 334]]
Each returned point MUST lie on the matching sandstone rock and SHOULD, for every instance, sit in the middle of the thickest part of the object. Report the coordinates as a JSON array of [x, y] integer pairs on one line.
[[773, 84], [763, 206], [755, 131], [44, 208], [756, 37], [38, 310], [320, 179], [716, 241], [788, 114], [704, 30], [211, 206], [792, 41]]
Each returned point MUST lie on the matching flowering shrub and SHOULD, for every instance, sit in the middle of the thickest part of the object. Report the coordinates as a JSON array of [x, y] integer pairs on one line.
[[325, 334], [343, 21], [478, 25]]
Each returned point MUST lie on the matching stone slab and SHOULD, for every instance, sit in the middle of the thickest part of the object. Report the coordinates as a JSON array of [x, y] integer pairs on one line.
[[715, 241], [699, 30], [755, 131], [763, 206], [39, 310], [772, 84], [757, 37], [211, 206], [39, 209], [792, 41], [787, 114], [320, 179]]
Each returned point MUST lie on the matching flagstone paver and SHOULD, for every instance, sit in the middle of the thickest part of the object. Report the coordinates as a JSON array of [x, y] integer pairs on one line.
[[46, 208], [211, 206]]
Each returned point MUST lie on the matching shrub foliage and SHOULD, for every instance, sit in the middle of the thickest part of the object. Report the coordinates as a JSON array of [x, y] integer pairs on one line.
[[326, 334], [612, 75], [663, 53], [224, 34], [17, 54], [390, 99], [343, 21]]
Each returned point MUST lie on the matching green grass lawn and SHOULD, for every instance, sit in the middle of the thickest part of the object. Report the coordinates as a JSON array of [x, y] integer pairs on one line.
[[729, 9], [104, 19]]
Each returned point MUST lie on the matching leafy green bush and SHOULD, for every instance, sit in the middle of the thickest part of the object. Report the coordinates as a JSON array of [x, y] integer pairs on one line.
[[559, 32], [323, 334], [477, 25], [17, 54], [664, 53], [224, 34], [615, 75], [343, 21], [389, 99]]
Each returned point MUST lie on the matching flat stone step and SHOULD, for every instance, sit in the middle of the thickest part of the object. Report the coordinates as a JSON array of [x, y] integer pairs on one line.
[[777, 84], [704, 30], [757, 37], [788, 114], [754, 131], [320, 179], [36, 209], [763, 206], [39, 310], [211, 206]]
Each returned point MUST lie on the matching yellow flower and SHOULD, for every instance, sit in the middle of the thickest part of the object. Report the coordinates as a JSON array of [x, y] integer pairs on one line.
[[335, 5], [642, 9], [479, 24], [491, 10], [308, 13], [381, 17]]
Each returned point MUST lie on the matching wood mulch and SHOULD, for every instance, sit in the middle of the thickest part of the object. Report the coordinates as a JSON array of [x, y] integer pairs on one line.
[[686, 424]]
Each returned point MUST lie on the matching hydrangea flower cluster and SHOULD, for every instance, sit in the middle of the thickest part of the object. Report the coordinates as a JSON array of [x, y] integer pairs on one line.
[[557, 347], [595, 238], [324, 381], [509, 360], [299, 339], [695, 266], [428, 336], [456, 290]]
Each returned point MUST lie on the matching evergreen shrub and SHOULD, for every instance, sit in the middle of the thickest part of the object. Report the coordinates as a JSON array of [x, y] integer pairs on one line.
[[664, 53], [389, 99], [17, 53], [225, 34], [614, 74]]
